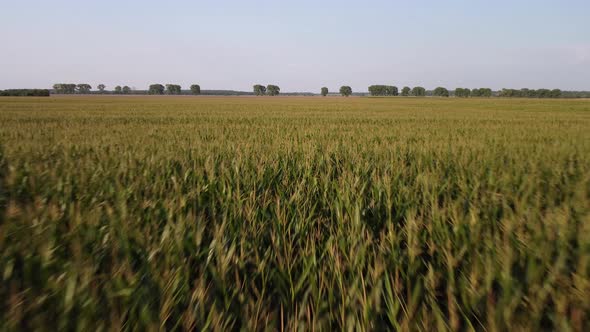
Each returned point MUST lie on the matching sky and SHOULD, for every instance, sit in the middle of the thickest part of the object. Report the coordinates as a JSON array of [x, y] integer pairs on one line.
[[299, 45]]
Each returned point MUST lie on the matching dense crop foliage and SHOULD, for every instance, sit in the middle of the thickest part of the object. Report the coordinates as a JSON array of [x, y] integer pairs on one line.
[[284, 213]]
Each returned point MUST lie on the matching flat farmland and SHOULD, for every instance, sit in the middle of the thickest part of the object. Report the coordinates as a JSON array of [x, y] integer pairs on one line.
[[284, 213]]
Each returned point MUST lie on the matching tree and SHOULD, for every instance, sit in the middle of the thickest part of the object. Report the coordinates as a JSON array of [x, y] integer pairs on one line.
[[441, 92], [383, 90], [543, 93], [118, 89], [391, 90], [377, 90], [173, 89], [83, 88], [462, 93], [64, 88], [58, 88], [418, 91], [324, 91], [259, 90], [126, 90], [481, 92], [406, 91], [555, 93], [196, 89], [526, 93], [345, 90], [101, 88], [156, 89], [273, 90]]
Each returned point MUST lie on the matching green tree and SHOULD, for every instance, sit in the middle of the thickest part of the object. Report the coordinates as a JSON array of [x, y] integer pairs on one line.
[[58, 88], [118, 89], [324, 91], [173, 89], [418, 91], [376, 90], [273, 90], [345, 90], [462, 93], [391, 90], [481, 92], [441, 92], [259, 90], [555, 93], [83, 88], [196, 89], [101, 88], [383, 90], [544, 93], [126, 90], [156, 89], [64, 88], [406, 91]]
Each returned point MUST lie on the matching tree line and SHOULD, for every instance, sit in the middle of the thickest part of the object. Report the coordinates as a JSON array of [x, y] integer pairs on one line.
[[84, 88], [466, 93], [530, 93], [388, 90], [24, 93], [274, 90], [391, 90]]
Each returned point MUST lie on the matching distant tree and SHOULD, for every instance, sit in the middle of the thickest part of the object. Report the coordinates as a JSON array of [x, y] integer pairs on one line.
[[544, 93], [64, 88], [555, 93], [383, 90], [173, 89], [58, 88], [83, 88], [273, 90], [406, 91], [418, 91], [156, 89], [377, 90], [507, 93], [345, 90], [324, 91], [526, 93], [441, 92], [101, 88], [259, 90], [481, 92], [70, 88], [462, 93], [118, 89], [126, 90], [196, 89], [391, 90]]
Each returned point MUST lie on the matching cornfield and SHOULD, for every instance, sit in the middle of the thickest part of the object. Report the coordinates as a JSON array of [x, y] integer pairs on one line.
[[288, 213]]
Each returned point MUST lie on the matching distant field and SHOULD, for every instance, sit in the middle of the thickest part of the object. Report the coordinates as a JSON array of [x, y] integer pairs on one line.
[[294, 212]]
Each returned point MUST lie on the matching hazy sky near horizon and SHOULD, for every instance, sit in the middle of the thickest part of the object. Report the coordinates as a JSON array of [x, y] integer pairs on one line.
[[299, 45]]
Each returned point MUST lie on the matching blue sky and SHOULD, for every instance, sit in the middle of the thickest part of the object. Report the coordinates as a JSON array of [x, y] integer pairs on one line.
[[298, 45]]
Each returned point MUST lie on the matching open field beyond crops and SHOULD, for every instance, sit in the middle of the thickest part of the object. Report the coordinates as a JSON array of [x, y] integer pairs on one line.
[[213, 213]]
